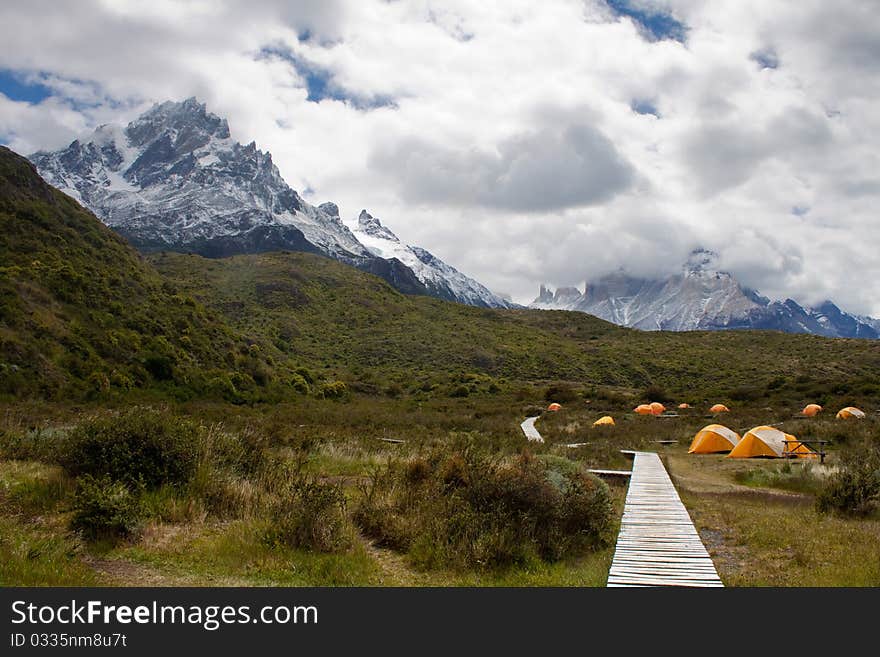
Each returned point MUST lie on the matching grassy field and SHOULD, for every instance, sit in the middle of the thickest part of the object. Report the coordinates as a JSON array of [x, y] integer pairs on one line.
[[757, 517], [283, 418]]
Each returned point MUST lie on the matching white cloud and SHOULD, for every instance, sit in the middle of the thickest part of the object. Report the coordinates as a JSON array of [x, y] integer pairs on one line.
[[507, 143]]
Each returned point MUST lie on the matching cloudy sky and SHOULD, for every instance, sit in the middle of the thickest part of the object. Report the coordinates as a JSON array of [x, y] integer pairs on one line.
[[522, 142]]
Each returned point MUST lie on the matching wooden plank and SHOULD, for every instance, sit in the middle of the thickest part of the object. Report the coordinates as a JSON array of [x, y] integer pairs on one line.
[[611, 473], [658, 544], [528, 427]]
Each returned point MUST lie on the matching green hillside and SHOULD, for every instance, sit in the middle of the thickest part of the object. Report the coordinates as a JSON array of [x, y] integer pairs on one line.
[[355, 327], [82, 314], [417, 471]]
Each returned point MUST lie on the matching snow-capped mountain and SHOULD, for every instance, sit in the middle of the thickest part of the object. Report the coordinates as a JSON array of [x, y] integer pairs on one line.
[[440, 279], [700, 297], [174, 179]]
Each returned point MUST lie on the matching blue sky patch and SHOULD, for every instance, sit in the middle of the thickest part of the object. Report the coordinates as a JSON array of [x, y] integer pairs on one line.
[[655, 24], [319, 81], [766, 58], [644, 107], [14, 86], [800, 210]]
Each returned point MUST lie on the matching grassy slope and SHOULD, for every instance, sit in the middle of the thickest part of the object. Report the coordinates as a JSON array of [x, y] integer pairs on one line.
[[82, 313], [341, 320]]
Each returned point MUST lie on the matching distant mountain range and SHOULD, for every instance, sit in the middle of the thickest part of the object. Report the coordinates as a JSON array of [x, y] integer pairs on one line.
[[700, 297], [174, 179]]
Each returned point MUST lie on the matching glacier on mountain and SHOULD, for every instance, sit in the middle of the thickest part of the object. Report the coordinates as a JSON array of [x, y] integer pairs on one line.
[[174, 179]]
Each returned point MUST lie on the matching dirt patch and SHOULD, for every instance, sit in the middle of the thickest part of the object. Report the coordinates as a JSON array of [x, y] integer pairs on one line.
[[395, 570], [730, 559], [119, 572]]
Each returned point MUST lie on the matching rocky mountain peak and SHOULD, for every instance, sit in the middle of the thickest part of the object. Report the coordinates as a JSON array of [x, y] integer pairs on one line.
[[188, 123], [370, 225], [701, 260], [699, 298], [173, 179], [330, 209]]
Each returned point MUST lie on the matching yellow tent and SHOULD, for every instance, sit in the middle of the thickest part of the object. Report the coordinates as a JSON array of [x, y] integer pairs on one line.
[[644, 409], [605, 419], [657, 408], [810, 410], [850, 413], [770, 442], [719, 408], [712, 439], [554, 407]]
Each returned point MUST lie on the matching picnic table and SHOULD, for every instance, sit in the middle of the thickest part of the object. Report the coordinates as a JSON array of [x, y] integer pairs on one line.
[[816, 445]]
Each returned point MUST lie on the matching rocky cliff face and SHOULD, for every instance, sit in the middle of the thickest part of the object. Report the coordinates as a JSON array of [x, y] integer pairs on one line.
[[174, 179]]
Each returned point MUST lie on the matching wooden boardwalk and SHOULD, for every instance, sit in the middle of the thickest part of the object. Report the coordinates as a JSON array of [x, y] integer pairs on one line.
[[528, 427], [658, 544]]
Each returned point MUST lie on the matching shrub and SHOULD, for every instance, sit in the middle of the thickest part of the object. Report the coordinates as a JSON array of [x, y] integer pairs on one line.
[[313, 518], [333, 390], [655, 393], [160, 367], [467, 510], [560, 393], [299, 383], [855, 488], [138, 448], [460, 391], [104, 508]]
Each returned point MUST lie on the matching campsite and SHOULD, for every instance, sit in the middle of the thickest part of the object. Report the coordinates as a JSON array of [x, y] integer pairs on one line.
[[757, 517]]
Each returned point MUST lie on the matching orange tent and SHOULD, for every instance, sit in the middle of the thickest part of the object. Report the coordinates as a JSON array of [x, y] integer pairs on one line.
[[714, 438], [850, 413], [684, 405], [770, 442], [604, 420], [554, 407], [644, 409], [657, 408], [719, 408], [810, 410]]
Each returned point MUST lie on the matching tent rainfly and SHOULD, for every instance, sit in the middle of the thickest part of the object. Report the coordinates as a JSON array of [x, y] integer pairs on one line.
[[657, 408], [810, 410], [769, 442], [684, 405], [604, 420], [714, 438], [719, 408], [554, 407], [644, 409], [850, 413]]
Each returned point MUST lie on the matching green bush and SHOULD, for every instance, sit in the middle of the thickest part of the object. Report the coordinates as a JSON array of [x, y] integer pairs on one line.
[[655, 393], [313, 518], [855, 488], [104, 508], [467, 510], [138, 448], [561, 393], [333, 390], [299, 383]]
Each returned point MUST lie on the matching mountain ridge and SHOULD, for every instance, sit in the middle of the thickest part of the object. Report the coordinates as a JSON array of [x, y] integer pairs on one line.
[[174, 179], [700, 297]]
